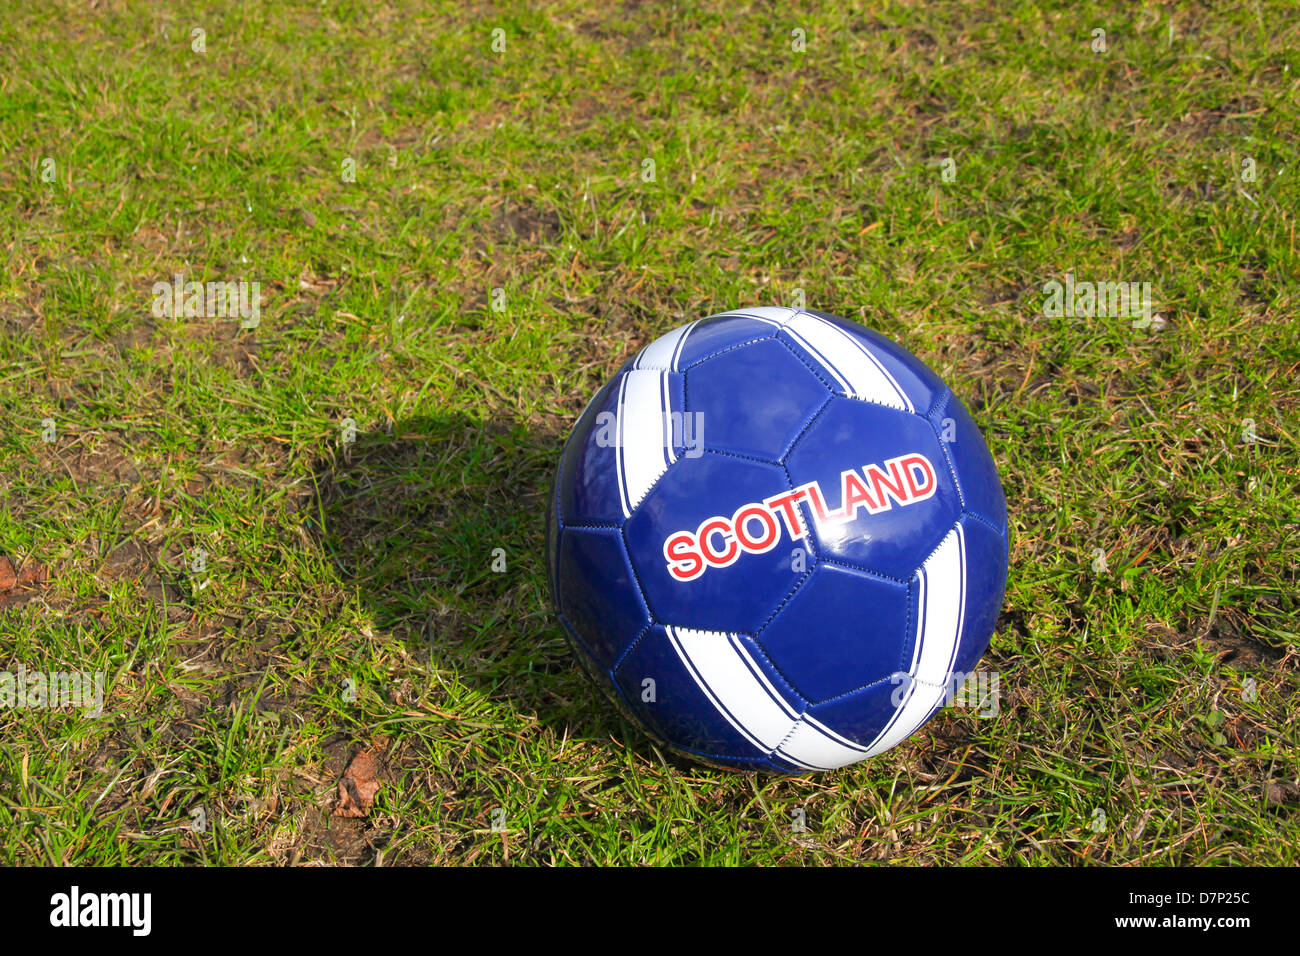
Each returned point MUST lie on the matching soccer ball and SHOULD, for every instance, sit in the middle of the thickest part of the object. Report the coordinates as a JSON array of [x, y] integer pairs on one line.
[[778, 540]]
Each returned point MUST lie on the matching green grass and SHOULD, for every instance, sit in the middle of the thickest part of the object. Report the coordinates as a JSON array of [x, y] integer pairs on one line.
[[349, 596]]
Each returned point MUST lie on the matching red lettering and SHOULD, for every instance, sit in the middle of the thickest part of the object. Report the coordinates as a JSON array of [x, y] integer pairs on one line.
[[855, 494], [723, 527], [786, 505], [908, 478], [684, 561], [894, 484], [819, 505], [912, 464], [772, 532]]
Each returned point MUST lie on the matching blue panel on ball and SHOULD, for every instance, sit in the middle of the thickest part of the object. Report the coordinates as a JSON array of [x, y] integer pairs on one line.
[[719, 333], [596, 592], [588, 482], [660, 691], [740, 416], [863, 715], [920, 384], [842, 630], [737, 597], [914, 498], [986, 578], [977, 475]]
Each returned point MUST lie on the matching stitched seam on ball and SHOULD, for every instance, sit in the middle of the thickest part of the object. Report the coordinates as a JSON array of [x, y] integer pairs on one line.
[[789, 734], [725, 350], [786, 600], [755, 646], [809, 545], [637, 504], [852, 566], [812, 420], [631, 647], [741, 455], [725, 757], [932, 551], [932, 684], [940, 401], [636, 578], [1001, 532], [820, 373], [947, 458], [858, 690], [835, 389], [910, 633], [817, 412]]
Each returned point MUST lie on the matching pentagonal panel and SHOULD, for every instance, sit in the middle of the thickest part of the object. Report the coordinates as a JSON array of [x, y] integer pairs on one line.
[[597, 593], [753, 400], [729, 588], [877, 492], [842, 630]]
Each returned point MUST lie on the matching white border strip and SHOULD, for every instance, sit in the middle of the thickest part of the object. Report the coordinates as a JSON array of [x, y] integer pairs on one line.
[[644, 434], [734, 683], [941, 609]]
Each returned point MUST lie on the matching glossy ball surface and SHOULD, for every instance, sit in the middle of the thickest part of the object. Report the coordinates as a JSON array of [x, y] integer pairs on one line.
[[777, 540]]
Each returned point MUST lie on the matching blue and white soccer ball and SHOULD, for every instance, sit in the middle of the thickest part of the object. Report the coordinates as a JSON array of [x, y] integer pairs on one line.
[[778, 540]]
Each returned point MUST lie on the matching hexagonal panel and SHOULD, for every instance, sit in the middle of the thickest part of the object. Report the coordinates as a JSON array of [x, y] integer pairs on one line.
[[842, 630], [900, 494], [735, 597], [597, 593], [753, 400]]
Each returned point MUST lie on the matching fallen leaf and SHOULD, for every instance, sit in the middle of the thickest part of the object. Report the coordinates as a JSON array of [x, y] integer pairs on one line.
[[11, 580], [359, 784]]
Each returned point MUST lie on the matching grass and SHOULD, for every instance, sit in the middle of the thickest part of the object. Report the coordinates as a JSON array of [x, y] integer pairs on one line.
[[266, 601]]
